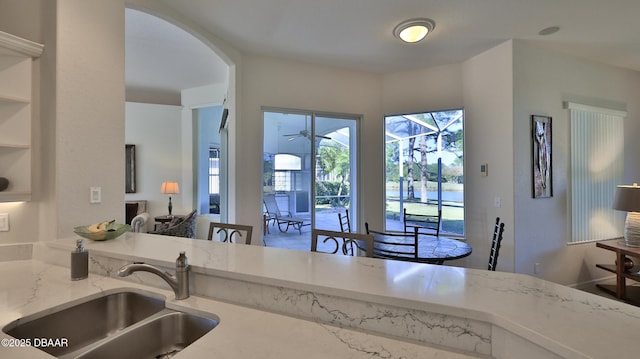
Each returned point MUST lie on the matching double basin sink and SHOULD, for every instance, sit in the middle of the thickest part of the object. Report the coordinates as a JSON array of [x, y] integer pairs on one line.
[[120, 324]]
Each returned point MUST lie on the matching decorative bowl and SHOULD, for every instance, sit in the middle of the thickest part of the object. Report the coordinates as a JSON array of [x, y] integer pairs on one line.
[[114, 230]]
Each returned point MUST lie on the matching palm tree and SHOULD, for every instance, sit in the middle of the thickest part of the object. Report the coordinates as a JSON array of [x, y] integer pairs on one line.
[[334, 162]]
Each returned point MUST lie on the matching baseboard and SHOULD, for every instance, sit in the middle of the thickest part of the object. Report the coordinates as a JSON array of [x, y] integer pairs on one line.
[[591, 283]]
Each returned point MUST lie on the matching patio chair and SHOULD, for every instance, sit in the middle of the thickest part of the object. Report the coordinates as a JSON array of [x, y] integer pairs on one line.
[[231, 233], [282, 218], [345, 222], [350, 244], [425, 223]]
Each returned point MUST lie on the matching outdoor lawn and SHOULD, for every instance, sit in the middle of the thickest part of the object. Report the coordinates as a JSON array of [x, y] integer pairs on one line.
[[452, 211]]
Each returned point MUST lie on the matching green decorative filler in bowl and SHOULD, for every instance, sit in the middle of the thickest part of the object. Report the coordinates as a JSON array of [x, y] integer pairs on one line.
[[102, 231]]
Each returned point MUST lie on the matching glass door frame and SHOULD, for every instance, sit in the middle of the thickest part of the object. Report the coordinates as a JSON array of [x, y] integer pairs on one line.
[[354, 146]]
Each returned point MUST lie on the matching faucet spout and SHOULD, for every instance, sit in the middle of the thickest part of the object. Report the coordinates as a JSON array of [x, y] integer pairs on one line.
[[178, 282]]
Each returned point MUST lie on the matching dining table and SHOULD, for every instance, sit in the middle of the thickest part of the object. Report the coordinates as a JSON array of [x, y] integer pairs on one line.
[[436, 249]]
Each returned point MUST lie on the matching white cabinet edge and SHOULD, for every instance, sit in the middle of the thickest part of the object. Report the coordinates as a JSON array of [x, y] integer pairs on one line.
[[18, 44]]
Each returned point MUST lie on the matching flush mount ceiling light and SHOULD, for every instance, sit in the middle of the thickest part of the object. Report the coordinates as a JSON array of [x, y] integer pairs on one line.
[[413, 30]]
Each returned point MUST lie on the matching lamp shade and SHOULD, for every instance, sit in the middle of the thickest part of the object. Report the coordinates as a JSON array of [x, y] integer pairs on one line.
[[627, 198], [170, 188]]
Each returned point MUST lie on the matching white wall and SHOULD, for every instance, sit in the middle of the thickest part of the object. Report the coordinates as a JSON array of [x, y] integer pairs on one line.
[[543, 80], [155, 130], [488, 99], [437, 88], [89, 112]]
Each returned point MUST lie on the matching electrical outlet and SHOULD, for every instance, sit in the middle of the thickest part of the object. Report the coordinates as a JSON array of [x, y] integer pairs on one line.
[[536, 268], [4, 222], [497, 202]]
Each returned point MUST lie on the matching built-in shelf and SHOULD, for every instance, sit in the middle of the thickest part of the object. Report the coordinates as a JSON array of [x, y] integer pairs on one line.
[[6, 99], [16, 59]]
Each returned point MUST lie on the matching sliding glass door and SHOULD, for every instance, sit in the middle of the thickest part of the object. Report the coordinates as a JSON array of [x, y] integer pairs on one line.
[[335, 172], [309, 165]]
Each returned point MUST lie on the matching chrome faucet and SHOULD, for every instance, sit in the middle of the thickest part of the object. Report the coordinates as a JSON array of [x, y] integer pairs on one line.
[[178, 282]]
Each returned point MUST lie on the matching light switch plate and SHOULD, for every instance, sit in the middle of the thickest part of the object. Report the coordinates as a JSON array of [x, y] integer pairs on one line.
[[4, 222], [95, 195]]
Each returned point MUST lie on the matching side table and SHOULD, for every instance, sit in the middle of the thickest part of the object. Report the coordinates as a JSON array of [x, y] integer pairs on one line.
[[621, 290]]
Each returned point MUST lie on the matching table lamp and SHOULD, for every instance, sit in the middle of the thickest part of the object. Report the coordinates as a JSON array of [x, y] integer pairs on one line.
[[627, 198], [170, 188]]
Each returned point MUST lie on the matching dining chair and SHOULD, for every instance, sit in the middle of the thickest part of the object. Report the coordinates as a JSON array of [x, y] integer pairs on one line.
[[394, 245], [232, 233], [345, 222], [498, 230], [351, 244], [426, 223]]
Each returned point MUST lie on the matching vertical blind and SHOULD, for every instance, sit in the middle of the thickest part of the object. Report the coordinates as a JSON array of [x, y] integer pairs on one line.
[[597, 160]]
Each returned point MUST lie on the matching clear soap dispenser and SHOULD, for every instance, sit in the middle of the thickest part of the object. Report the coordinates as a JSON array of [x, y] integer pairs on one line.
[[79, 262]]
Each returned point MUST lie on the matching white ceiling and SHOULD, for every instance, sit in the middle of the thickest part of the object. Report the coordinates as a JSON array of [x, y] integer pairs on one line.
[[357, 34], [162, 59]]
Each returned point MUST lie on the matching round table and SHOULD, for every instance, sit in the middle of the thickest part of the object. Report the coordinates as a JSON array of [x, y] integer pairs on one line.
[[431, 249]]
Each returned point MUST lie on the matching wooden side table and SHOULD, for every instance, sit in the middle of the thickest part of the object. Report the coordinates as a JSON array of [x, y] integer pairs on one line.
[[620, 290]]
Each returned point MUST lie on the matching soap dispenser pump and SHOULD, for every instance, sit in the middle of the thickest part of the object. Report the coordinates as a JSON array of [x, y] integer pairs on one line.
[[79, 262]]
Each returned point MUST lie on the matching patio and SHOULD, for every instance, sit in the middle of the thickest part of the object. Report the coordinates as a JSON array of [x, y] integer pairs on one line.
[[292, 239]]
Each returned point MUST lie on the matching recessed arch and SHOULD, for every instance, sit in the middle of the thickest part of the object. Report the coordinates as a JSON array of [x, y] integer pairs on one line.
[[225, 91]]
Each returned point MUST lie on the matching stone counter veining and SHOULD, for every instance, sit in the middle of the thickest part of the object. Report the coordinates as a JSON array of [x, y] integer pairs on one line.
[[495, 311], [30, 286]]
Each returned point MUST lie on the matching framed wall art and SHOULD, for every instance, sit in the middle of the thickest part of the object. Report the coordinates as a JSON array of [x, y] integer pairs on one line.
[[130, 169], [541, 155]]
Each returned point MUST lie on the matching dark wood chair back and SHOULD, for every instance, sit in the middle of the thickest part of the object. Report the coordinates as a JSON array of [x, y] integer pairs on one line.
[[347, 243], [345, 222], [498, 230], [425, 223], [231, 233], [394, 245]]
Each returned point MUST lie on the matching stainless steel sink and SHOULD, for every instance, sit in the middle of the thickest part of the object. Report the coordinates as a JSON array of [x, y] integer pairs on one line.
[[161, 337], [123, 324], [87, 322]]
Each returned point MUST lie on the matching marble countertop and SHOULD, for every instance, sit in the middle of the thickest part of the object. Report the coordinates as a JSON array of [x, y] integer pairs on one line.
[[30, 286], [563, 319]]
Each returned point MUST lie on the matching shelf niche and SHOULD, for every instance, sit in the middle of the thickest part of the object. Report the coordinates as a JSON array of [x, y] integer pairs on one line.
[[16, 62]]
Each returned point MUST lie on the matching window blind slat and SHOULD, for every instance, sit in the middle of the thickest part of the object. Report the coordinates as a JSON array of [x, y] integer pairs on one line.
[[597, 160]]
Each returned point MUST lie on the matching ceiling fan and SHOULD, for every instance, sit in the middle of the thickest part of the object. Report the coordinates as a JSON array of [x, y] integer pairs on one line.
[[304, 133]]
